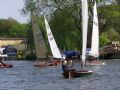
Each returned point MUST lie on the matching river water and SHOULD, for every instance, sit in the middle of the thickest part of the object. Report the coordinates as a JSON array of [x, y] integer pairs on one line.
[[25, 76]]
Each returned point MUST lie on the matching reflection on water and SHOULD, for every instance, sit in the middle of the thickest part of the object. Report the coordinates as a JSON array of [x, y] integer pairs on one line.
[[24, 76]]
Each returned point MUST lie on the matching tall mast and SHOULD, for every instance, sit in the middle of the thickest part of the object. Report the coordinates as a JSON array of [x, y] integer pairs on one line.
[[84, 29]]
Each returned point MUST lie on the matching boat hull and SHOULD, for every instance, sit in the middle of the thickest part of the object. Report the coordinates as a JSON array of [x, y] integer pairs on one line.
[[95, 63], [46, 63], [76, 74], [6, 66], [40, 65]]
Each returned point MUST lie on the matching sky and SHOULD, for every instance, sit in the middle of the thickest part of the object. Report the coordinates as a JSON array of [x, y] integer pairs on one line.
[[11, 8]]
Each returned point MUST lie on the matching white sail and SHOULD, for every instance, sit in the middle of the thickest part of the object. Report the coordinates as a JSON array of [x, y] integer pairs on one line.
[[40, 48], [84, 29], [54, 49], [95, 34]]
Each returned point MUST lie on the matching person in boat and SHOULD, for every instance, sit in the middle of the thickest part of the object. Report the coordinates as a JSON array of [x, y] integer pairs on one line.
[[91, 59], [94, 60], [1, 61], [70, 64], [53, 62], [65, 65]]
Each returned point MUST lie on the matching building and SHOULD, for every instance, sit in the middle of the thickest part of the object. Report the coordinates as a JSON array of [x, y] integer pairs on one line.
[[18, 43]]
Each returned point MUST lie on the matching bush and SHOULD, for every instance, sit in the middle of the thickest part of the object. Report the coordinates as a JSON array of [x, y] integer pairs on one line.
[[30, 56]]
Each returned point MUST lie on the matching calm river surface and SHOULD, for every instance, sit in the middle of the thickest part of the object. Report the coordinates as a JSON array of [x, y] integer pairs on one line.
[[25, 76]]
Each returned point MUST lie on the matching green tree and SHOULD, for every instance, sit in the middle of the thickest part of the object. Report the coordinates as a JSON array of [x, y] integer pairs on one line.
[[5, 27], [66, 21], [11, 28], [65, 31]]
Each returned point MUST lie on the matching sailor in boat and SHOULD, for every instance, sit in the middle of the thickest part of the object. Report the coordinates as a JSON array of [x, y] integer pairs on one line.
[[1, 61], [4, 65], [67, 65], [94, 61], [70, 64], [52, 63], [64, 65], [91, 59]]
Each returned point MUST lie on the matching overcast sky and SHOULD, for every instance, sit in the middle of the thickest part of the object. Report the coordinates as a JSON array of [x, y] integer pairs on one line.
[[11, 8]]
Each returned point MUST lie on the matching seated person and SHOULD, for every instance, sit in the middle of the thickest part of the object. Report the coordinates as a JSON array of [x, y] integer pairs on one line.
[[1, 61], [70, 64], [92, 59], [65, 66]]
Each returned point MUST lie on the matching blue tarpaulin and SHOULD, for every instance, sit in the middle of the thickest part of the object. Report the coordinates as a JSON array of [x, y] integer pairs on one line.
[[71, 53]]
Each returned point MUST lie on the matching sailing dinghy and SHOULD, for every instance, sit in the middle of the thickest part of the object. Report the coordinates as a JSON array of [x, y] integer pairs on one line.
[[94, 53], [80, 73], [53, 46], [40, 48]]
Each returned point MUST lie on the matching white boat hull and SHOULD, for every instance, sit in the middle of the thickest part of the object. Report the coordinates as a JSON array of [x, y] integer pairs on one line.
[[4, 55], [95, 63]]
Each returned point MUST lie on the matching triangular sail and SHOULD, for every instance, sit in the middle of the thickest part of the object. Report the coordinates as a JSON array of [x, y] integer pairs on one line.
[[95, 34], [40, 47], [54, 49], [84, 29]]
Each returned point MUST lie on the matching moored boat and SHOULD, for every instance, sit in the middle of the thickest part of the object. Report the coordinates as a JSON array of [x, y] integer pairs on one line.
[[94, 52], [74, 73]]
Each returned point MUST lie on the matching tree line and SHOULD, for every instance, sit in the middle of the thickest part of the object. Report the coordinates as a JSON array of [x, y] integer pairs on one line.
[[64, 18]]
